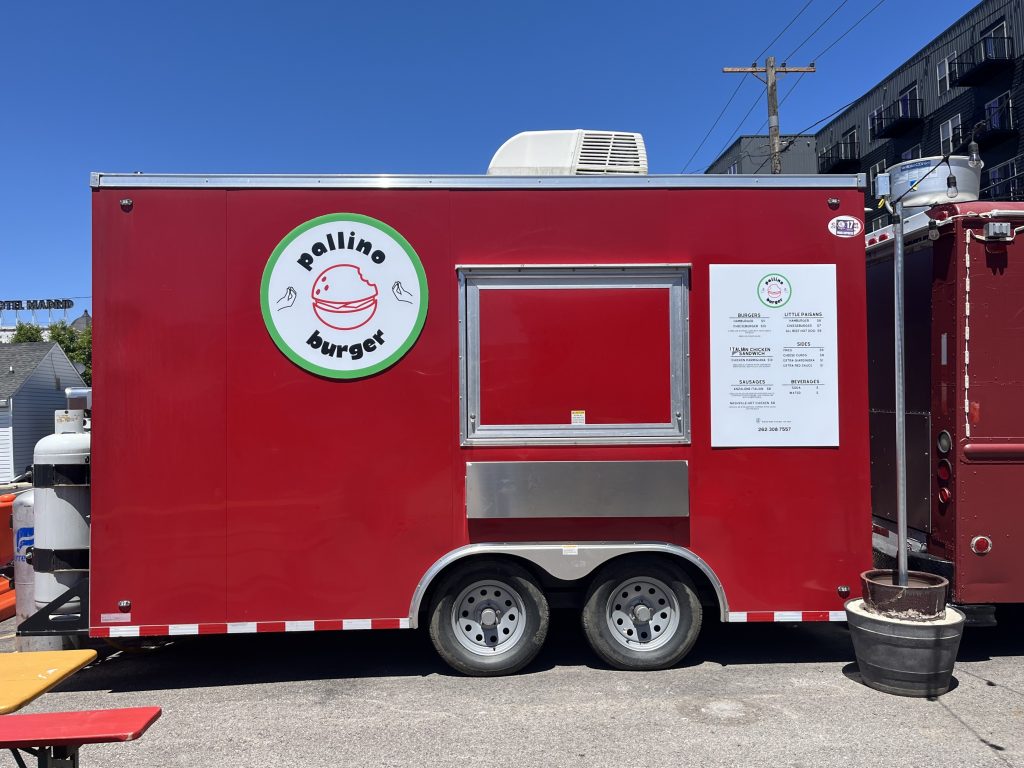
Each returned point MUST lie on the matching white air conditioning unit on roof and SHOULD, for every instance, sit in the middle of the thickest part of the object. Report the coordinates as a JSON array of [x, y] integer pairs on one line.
[[570, 153]]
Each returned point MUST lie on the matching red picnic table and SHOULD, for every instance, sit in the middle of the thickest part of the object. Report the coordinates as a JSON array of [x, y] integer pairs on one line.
[[54, 738]]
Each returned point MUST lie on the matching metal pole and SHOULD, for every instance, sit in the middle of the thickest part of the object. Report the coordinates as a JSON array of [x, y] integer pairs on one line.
[[901, 405]]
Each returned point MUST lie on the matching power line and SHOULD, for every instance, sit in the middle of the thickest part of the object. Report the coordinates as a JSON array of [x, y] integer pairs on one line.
[[686, 165], [743, 120], [791, 21], [816, 29], [717, 119], [835, 42], [812, 125], [850, 29]]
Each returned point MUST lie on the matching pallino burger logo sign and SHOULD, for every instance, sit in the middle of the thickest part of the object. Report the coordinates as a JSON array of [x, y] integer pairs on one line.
[[344, 296]]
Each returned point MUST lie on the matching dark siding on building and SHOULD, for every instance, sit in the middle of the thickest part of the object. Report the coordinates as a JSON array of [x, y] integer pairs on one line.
[[968, 101]]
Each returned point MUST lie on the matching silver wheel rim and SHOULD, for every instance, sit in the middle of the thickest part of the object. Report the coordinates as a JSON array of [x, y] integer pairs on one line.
[[487, 618], [642, 614]]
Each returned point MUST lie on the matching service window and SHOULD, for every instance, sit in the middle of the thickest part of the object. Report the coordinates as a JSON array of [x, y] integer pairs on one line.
[[574, 355]]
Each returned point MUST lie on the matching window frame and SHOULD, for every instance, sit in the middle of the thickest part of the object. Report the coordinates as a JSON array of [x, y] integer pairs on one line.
[[943, 72], [1008, 96], [949, 124], [673, 277], [908, 155], [874, 117]]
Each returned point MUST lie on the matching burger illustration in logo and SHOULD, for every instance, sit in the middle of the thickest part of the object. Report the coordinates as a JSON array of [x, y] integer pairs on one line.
[[343, 298]]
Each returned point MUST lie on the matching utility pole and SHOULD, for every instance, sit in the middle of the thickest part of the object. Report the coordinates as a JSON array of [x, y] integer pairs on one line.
[[769, 70]]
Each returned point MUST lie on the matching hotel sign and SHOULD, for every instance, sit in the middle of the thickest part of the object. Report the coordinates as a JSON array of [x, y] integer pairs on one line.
[[35, 304]]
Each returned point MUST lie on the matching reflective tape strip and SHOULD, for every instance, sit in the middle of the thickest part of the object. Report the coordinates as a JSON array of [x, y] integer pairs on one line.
[[789, 616], [750, 617], [124, 632], [248, 627]]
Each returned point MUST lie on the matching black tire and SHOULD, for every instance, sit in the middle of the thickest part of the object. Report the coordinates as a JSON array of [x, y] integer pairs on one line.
[[525, 626], [676, 637]]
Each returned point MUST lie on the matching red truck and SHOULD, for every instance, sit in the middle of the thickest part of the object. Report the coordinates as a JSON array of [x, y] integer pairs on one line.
[[436, 402], [964, 294]]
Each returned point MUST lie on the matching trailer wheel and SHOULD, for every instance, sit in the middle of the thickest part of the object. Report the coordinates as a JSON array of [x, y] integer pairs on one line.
[[641, 614], [488, 619]]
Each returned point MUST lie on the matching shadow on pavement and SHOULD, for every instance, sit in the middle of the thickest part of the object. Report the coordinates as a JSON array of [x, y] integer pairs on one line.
[[216, 660]]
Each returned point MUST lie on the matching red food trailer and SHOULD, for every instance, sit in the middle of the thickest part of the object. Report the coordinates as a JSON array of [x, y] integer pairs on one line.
[[331, 403], [964, 294]]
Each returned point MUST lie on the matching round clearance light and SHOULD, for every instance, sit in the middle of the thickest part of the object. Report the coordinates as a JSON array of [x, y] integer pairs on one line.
[[944, 442], [981, 545], [945, 495], [944, 471]]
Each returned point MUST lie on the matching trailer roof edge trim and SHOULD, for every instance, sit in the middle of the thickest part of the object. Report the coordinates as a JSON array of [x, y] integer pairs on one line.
[[273, 181]]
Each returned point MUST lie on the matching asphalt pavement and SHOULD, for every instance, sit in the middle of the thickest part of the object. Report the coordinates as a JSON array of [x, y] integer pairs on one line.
[[748, 695]]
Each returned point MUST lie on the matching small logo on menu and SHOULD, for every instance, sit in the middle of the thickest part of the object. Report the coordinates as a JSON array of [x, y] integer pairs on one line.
[[344, 296], [774, 290], [845, 226]]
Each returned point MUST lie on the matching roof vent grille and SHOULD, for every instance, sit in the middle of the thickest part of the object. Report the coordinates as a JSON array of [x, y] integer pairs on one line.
[[570, 153]]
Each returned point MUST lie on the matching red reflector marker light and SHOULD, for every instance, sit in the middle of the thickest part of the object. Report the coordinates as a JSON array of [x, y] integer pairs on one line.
[[945, 495], [981, 545], [944, 471]]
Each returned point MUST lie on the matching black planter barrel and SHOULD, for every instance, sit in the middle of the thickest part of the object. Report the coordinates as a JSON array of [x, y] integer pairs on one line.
[[907, 658]]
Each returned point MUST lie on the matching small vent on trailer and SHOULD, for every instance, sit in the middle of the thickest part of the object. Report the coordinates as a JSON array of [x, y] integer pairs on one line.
[[570, 153], [602, 152]]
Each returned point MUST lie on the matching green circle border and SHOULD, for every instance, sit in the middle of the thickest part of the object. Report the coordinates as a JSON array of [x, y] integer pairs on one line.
[[300, 361], [788, 282]]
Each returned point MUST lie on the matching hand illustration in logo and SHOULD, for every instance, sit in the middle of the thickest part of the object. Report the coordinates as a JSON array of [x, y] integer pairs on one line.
[[287, 300], [342, 298], [401, 294]]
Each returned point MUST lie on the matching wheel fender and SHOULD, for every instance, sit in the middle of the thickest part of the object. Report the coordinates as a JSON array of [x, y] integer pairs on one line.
[[567, 562]]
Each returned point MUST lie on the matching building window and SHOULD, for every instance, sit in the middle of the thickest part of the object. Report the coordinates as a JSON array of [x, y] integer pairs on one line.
[[875, 169], [1003, 183], [911, 154], [733, 168], [875, 123], [848, 148], [878, 223], [942, 73], [993, 43], [949, 135], [999, 113], [910, 105]]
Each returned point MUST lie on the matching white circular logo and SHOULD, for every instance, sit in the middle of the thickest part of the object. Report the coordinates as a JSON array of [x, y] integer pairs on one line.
[[344, 296], [774, 290]]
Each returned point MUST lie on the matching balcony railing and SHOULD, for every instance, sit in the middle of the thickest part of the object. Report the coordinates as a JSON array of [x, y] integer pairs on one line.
[[1004, 183], [899, 117], [985, 58], [997, 122], [842, 156]]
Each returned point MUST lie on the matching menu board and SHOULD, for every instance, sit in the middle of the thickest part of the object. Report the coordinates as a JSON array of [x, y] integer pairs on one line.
[[774, 365]]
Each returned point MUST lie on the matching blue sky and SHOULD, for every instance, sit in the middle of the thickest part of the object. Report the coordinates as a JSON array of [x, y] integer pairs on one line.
[[385, 87]]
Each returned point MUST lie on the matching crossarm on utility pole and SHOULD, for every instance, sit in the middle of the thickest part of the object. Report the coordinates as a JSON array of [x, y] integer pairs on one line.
[[770, 71]]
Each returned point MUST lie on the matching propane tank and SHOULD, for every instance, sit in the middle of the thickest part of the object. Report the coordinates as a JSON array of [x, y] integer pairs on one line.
[[23, 523], [61, 476]]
